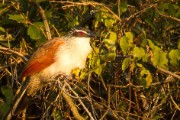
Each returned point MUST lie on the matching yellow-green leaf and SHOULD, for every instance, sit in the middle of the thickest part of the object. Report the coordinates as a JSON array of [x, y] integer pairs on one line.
[[124, 44], [35, 30], [148, 77], [18, 18], [126, 63], [98, 70], [109, 23], [129, 36], [2, 29], [159, 58], [174, 56], [113, 37], [138, 52], [123, 7]]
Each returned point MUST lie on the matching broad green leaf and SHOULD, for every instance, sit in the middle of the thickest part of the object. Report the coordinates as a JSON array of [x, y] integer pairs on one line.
[[129, 36], [19, 18], [113, 37], [151, 44], [138, 52], [174, 56], [83, 75], [76, 72], [49, 14], [148, 77], [111, 42], [111, 55], [2, 29], [124, 44], [8, 93], [109, 23], [98, 70], [34, 31], [126, 63], [171, 10], [159, 58], [123, 7]]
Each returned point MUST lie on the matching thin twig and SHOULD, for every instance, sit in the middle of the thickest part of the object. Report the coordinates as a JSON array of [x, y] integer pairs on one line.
[[85, 108], [169, 73], [72, 106], [95, 4], [48, 33], [139, 12], [14, 52], [167, 16], [175, 104]]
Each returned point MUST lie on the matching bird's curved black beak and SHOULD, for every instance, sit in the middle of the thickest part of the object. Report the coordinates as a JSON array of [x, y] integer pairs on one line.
[[92, 35]]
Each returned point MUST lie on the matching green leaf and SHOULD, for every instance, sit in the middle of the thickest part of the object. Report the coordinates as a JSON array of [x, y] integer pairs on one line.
[[159, 58], [8, 93], [123, 7], [34, 30], [129, 36], [2, 29], [98, 70], [111, 55], [138, 52], [109, 23], [113, 37], [124, 44], [19, 18], [174, 56], [148, 77], [151, 44], [126, 63]]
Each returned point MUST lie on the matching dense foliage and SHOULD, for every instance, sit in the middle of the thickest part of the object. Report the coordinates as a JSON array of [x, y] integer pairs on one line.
[[132, 72]]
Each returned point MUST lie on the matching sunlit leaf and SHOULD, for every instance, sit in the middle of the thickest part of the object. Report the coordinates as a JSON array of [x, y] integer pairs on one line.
[[109, 23], [113, 37], [123, 7], [174, 56], [2, 29], [124, 44], [19, 18], [151, 44], [159, 58], [129, 36], [34, 30], [148, 77], [126, 63], [98, 70], [138, 52]]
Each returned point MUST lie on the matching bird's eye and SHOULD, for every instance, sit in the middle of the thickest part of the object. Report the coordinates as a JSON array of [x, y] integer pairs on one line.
[[81, 33]]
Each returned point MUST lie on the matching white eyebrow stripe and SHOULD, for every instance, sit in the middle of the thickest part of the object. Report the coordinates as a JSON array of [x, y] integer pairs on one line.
[[81, 31]]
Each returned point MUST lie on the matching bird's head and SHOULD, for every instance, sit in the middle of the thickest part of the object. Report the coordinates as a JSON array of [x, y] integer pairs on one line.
[[82, 32]]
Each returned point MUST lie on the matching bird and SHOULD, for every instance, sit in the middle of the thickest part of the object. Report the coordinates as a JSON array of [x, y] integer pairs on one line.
[[57, 56]]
